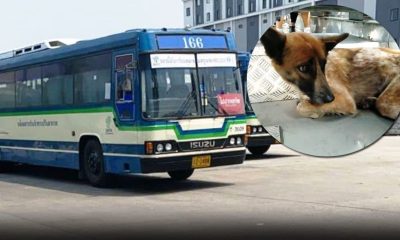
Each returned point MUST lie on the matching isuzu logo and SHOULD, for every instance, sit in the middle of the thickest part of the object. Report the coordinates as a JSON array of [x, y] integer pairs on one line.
[[202, 144]]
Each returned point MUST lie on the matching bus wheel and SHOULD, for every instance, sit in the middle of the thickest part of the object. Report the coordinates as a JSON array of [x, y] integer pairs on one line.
[[259, 150], [181, 174], [94, 164]]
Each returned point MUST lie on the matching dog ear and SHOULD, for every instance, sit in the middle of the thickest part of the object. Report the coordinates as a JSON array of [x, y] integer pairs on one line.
[[331, 41], [274, 44]]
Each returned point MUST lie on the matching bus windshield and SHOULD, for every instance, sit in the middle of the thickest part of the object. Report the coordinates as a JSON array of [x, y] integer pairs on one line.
[[188, 86], [216, 84]]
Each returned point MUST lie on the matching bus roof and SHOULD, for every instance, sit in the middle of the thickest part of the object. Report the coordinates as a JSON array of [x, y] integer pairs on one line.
[[120, 40]]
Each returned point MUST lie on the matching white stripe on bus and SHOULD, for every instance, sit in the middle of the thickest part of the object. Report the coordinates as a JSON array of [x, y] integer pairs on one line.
[[39, 149], [167, 155]]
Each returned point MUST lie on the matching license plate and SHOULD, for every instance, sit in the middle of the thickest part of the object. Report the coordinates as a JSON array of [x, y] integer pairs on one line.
[[201, 161]]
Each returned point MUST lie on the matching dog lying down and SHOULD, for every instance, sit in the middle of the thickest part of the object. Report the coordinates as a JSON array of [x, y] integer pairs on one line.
[[336, 81]]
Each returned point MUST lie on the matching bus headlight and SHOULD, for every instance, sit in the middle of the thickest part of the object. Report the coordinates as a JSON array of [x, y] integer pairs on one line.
[[168, 147], [160, 147], [260, 129], [235, 141]]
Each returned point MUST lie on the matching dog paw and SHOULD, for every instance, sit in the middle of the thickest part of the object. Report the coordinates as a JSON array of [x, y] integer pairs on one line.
[[307, 110]]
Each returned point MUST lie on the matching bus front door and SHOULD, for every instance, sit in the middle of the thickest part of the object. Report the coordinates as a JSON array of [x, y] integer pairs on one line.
[[124, 84]]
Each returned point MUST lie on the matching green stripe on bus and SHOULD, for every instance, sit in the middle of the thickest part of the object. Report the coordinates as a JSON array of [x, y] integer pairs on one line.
[[169, 126], [251, 117], [184, 136]]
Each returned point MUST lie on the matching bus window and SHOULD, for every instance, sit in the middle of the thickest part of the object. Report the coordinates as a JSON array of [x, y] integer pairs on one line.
[[178, 88], [57, 84], [7, 90], [29, 87], [124, 86], [91, 76], [217, 81], [124, 77], [170, 93]]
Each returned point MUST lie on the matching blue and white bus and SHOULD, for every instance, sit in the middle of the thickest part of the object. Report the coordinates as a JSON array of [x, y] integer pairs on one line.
[[141, 101], [258, 139]]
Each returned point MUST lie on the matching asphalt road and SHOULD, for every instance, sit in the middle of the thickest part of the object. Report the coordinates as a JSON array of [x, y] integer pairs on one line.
[[281, 195]]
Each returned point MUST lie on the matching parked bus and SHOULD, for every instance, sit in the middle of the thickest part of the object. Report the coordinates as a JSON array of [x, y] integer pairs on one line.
[[141, 101], [259, 140]]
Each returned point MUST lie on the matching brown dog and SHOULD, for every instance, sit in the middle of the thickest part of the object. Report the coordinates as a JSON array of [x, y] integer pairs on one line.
[[338, 82]]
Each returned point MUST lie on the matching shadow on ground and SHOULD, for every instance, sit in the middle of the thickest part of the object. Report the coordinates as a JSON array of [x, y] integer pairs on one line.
[[134, 185], [267, 156]]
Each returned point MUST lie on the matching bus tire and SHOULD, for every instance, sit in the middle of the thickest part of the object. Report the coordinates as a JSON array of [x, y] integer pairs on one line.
[[180, 175], [93, 163], [259, 150]]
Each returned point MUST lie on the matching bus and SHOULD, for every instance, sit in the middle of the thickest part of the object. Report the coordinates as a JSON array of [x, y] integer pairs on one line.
[[141, 101], [259, 140]]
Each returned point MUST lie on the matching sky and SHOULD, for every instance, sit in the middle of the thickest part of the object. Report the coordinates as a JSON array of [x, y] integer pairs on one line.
[[24, 23]]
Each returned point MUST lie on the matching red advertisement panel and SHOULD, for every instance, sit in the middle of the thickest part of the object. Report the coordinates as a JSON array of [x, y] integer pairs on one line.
[[230, 103]]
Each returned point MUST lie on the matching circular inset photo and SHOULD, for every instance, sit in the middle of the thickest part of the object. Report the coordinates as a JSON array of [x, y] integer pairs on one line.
[[328, 78]]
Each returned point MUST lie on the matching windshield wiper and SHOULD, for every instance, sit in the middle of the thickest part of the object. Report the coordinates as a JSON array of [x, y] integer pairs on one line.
[[185, 106], [214, 107]]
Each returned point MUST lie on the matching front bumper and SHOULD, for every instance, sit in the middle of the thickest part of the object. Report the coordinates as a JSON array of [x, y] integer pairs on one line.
[[260, 140], [165, 163]]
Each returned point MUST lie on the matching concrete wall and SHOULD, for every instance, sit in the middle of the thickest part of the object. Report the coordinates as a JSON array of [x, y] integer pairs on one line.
[[188, 20], [240, 30], [386, 15], [252, 32], [208, 9]]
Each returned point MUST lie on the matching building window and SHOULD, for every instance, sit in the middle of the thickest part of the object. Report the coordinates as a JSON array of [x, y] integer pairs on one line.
[[187, 12], [198, 2], [208, 1], [394, 14], [252, 6], [208, 17], [199, 19], [229, 12], [278, 3], [240, 9], [264, 4], [216, 15]]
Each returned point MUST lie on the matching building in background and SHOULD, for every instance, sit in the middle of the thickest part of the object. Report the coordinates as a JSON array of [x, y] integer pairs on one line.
[[248, 19]]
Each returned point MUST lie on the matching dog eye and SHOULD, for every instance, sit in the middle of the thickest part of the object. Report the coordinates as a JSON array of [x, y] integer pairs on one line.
[[304, 68]]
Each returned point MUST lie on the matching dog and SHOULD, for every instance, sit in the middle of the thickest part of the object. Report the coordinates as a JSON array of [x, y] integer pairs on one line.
[[335, 81]]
